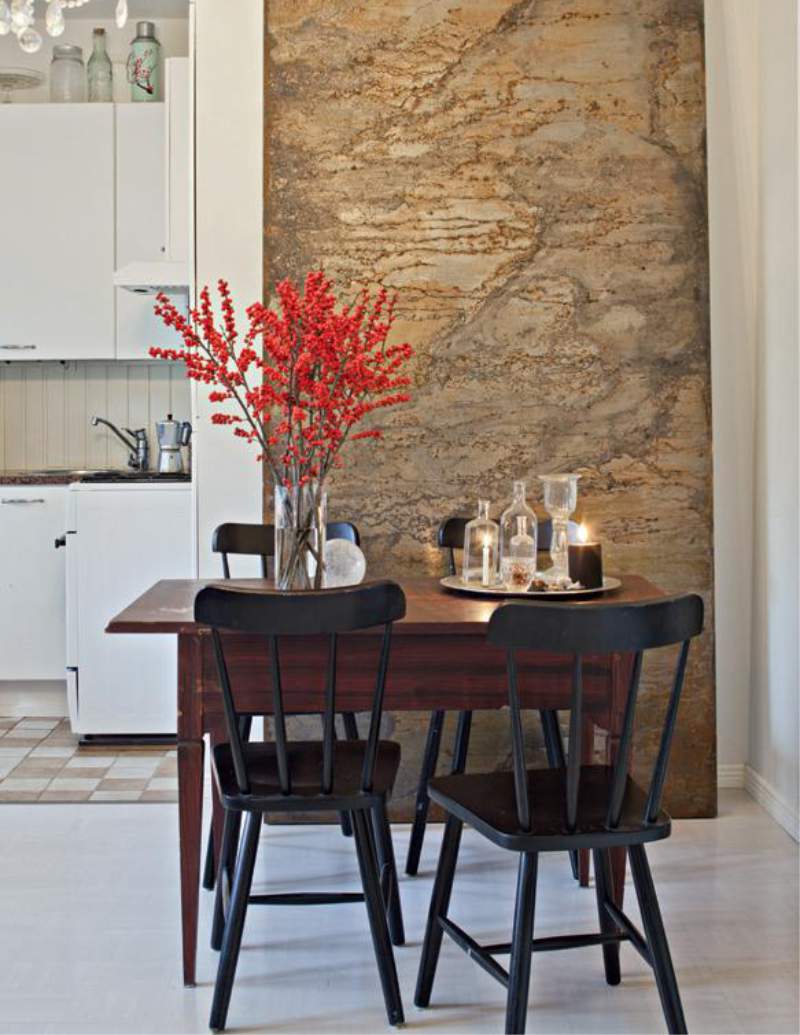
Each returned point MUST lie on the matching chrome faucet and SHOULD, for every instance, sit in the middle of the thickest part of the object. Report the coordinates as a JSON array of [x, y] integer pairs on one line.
[[139, 455]]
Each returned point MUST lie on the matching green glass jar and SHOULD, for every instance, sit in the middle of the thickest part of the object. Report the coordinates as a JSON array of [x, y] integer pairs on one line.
[[144, 64]]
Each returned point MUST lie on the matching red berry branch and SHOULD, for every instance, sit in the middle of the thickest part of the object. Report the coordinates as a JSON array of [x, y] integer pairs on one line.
[[303, 378]]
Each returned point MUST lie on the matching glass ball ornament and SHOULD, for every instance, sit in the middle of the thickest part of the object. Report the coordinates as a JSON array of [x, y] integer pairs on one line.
[[30, 41], [21, 15], [121, 13], [345, 564]]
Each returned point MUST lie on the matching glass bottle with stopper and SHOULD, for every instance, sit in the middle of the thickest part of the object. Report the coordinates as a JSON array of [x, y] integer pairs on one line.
[[518, 528], [481, 542]]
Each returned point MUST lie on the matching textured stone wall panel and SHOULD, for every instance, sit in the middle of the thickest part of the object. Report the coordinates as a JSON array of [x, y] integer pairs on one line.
[[530, 176]]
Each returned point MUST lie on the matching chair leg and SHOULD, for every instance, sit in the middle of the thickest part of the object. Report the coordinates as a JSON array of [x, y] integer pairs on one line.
[[519, 974], [351, 733], [209, 876], [554, 747], [376, 914], [657, 941], [227, 865], [459, 763], [429, 759], [234, 924], [440, 901], [603, 888], [388, 874]]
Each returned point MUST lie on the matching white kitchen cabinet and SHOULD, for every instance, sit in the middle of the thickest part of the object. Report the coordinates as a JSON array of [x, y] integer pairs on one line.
[[126, 537], [57, 185], [141, 185], [152, 187], [32, 601]]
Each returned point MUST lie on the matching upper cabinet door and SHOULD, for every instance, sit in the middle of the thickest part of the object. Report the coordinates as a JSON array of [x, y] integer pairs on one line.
[[57, 183], [141, 219]]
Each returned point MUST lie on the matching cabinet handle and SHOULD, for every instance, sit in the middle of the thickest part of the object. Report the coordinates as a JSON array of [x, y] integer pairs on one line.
[[19, 348], [17, 502]]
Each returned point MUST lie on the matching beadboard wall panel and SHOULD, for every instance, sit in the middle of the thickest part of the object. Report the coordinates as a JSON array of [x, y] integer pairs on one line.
[[46, 409]]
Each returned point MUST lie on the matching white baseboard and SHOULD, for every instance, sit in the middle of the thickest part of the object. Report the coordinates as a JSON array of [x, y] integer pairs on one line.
[[766, 796], [731, 775]]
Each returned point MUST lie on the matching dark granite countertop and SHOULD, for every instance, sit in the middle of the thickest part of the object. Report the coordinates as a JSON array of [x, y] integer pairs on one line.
[[55, 476]]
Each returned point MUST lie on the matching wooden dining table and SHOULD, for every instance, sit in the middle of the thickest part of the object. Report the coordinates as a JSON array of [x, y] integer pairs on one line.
[[440, 660]]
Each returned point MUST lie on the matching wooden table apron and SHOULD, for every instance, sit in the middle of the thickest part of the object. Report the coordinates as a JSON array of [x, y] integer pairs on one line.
[[440, 660]]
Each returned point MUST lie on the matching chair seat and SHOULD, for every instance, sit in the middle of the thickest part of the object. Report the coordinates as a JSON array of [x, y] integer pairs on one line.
[[305, 768], [486, 801]]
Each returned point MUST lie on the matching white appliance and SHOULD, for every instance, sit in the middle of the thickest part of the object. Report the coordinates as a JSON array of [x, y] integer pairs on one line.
[[121, 538]]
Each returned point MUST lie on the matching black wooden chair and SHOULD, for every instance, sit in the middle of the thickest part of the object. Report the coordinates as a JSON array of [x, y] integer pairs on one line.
[[258, 540], [576, 806], [254, 779], [450, 539]]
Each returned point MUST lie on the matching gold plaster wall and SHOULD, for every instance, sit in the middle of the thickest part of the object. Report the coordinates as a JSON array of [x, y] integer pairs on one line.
[[529, 175]]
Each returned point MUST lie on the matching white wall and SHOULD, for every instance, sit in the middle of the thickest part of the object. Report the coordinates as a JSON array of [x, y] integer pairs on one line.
[[754, 177], [229, 144]]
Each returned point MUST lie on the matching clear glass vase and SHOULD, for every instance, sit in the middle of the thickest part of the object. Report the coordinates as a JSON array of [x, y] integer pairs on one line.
[[560, 500], [481, 545], [518, 528], [300, 520]]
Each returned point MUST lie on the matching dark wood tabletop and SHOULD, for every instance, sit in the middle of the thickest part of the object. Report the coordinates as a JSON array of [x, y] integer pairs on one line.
[[168, 606]]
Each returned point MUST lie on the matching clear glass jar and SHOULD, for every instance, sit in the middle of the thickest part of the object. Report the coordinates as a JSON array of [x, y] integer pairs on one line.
[[99, 71], [518, 528], [300, 521], [481, 545], [67, 74]]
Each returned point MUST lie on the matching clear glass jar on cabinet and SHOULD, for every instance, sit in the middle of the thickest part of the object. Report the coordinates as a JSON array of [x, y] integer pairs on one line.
[[67, 74], [481, 543]]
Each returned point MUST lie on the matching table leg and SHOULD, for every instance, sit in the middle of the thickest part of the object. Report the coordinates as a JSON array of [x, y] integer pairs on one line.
[[190, 793], [190, 807]]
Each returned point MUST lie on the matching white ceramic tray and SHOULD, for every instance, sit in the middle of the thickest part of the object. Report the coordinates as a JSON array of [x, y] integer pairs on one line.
[[456, 583]]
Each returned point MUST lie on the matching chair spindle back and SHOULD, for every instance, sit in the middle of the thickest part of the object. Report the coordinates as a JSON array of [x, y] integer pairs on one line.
[[319, 613], [257, 540], [579, 630]]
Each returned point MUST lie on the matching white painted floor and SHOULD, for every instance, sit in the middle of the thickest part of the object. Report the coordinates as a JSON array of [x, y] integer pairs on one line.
[[89, 932]]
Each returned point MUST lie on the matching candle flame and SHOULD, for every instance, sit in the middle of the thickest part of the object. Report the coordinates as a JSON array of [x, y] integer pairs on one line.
[[583, 533]]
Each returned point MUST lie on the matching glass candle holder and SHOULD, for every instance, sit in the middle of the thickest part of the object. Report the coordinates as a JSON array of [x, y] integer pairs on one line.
[[560, 500], [481, 546], [518, 528]]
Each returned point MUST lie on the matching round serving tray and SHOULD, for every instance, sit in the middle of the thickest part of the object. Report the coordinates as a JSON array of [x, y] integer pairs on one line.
[[455, 582]]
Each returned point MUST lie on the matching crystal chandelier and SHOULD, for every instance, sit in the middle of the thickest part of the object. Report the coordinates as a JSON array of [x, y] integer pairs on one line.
[[18, 16]]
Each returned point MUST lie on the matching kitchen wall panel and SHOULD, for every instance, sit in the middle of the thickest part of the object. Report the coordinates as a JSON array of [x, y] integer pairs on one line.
[[45, 410], [530, 176]]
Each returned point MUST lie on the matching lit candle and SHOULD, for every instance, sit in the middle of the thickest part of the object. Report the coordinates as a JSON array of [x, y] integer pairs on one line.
[[586, 561], [486, 557]]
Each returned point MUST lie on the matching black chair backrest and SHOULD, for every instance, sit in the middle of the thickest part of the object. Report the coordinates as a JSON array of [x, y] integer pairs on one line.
[[596, 629], [259, 541], [273, 615], [451, 537]]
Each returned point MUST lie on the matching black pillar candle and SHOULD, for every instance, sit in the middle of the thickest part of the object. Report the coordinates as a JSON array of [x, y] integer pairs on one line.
[[586, 564]]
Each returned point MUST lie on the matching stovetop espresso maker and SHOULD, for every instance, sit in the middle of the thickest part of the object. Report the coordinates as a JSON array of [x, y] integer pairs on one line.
[[171, 435]]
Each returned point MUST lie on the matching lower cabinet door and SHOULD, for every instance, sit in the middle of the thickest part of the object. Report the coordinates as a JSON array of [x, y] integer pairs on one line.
[[32, 604], [127, 538]]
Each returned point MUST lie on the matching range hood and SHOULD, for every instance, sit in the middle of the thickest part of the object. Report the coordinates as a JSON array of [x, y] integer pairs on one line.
[[147, 278]]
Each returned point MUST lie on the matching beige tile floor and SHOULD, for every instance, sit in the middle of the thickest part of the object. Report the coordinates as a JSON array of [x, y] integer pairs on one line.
[[41, 761], [89, 932]]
